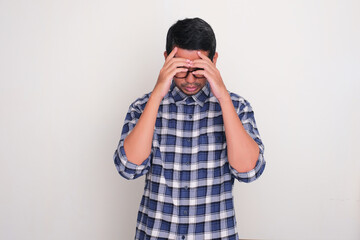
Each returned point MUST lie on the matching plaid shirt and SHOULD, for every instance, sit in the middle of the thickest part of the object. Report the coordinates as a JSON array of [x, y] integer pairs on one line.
[[188, 179]]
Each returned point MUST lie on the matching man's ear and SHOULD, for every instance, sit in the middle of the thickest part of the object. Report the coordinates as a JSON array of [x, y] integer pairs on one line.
[[215, 58], [165, 55]]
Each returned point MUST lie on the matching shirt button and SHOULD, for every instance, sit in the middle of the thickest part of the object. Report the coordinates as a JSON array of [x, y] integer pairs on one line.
[[186, 187], [190, 116], [185, 212], [183, 237]]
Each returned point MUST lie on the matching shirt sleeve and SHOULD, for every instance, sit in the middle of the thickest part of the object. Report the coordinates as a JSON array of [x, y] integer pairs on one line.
[[246, 115], [126, 168]]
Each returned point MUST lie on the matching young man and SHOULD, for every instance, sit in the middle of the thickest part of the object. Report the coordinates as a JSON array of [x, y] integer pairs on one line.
[[191, 138]]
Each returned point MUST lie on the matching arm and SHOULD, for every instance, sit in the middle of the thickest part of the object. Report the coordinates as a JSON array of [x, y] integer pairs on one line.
[[126, 168], [242, 150], [246, 115], [133, 155], [142, 133], [245, 155]]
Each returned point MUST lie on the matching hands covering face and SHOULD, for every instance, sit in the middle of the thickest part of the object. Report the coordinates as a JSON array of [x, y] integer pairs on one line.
[[171, 67], [202, 66], [211, 73]]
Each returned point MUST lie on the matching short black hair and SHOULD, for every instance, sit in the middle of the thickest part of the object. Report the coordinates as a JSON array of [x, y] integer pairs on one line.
[[191, 34]]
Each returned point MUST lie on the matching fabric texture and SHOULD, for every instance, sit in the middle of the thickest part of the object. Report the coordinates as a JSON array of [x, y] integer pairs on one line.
[[188, 179]]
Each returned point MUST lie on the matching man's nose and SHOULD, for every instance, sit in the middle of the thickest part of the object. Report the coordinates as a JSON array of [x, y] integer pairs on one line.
[[190, 78]]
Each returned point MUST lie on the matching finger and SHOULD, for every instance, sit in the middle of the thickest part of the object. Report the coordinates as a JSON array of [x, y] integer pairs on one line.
[[177, 70], [172, 54], [204, 57], [177, 63], [175, 60], [209, 68], [208, 62], [200, 72], [209, 76], [200, 64]]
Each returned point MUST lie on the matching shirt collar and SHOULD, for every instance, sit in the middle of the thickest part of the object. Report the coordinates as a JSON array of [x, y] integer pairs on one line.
[[198, 98]]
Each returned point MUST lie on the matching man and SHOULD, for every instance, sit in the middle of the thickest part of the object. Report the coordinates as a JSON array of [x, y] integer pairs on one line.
[[191, 138]]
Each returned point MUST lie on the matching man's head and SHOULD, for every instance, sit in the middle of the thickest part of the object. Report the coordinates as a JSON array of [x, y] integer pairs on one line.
[[191, 36]]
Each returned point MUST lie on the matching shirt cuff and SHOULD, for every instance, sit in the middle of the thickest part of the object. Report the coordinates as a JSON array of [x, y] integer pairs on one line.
[[128, 169], [251, 175]]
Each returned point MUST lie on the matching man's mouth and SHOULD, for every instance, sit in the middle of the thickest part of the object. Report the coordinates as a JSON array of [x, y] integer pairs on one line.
[[191, 88]]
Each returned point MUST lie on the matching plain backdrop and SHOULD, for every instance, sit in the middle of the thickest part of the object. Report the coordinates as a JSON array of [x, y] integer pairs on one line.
[[70, 69]]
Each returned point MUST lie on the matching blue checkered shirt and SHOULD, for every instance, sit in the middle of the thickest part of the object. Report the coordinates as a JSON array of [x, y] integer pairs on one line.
[[188, 179]]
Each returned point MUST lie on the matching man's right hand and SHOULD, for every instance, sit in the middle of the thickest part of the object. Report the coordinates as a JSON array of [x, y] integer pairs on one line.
[[143, 132], [171, 67]]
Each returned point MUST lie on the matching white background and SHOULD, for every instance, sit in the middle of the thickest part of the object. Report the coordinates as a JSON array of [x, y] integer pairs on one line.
[[70, 69]]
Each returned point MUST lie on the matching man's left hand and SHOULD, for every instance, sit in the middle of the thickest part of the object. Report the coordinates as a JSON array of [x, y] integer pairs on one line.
[[212, 74]]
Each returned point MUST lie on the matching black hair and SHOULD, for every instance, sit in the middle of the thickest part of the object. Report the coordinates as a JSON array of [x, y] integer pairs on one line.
[[191, 34]]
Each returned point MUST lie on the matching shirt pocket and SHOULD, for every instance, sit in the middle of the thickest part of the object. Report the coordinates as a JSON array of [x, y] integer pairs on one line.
[[212, 141], [212, 150], [212, 159]]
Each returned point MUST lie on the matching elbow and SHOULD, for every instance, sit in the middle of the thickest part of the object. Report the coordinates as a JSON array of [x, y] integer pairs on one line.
[[120, 167], [251, 164], [252, 173], [127, 169]]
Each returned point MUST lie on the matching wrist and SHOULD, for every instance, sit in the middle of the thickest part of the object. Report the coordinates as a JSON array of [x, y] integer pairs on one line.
[[225, 98], [156, 95]]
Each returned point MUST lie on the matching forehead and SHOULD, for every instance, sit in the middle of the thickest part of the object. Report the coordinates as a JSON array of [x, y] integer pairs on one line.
[[189, 54]]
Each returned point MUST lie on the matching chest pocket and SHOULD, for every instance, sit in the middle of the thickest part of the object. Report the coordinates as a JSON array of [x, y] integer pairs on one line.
[[214, 141]]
